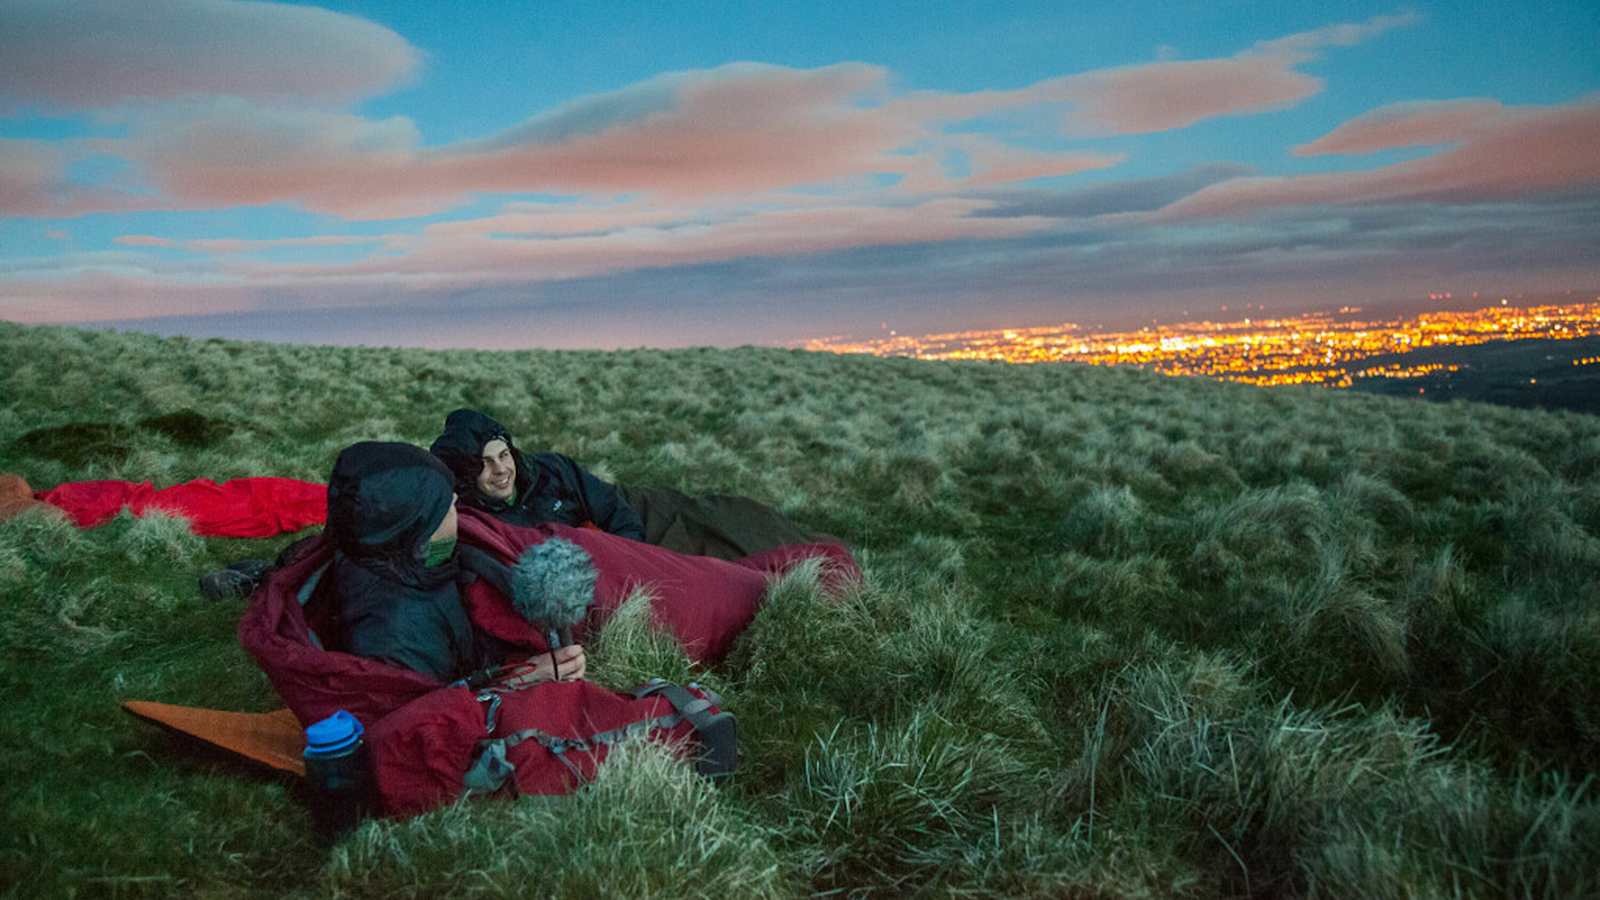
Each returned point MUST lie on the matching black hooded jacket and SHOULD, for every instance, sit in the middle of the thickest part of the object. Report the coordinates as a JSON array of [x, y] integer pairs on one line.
[[551, 487], [385, 500]]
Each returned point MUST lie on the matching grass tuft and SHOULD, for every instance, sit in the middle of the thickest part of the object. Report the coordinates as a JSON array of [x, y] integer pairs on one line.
[[647, 826], [631, 648]]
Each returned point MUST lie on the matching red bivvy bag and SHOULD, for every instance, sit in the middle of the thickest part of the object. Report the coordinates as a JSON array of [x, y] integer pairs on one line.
[[242, 507]]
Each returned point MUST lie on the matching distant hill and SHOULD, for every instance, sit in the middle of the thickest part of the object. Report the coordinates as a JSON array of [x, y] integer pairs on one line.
[[1121, 636], [1535, 374]]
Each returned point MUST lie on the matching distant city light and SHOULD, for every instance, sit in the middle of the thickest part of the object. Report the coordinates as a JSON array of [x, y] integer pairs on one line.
[[1309, 349]]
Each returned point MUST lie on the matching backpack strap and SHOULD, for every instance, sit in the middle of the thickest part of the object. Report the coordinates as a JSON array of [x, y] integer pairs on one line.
[[491, 769], [718, 732]]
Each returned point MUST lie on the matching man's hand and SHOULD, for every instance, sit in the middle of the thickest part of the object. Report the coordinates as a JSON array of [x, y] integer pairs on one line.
[[568, 662]]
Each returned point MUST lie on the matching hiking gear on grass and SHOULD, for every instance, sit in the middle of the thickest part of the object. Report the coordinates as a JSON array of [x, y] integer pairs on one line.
[[234, 581], [550, 487], [431, 741], [243, 507], [15, 496], [423, 735], [273, 739], [717, 731], [552, 585], [340, 771], [546, 739]]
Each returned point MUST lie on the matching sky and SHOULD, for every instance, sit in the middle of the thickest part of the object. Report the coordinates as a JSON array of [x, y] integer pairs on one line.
[[600, 174]]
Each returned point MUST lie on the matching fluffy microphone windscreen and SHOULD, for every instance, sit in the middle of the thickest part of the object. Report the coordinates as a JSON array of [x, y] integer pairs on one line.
[[552, 583]]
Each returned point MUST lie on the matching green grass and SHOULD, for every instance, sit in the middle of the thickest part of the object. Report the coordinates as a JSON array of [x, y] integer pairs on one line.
[[1120, 635]]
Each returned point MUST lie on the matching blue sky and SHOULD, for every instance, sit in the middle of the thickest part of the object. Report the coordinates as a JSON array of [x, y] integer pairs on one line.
[[598, 174]]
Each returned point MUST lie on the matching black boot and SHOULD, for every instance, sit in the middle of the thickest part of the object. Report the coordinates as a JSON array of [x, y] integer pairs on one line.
[[235, 581]]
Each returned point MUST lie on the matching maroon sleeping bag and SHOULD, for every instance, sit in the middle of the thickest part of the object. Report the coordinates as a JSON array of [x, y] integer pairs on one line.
[[704, 602], [432, 742]]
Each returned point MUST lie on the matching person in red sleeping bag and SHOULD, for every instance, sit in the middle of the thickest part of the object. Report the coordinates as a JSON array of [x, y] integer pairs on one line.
[[429, 642], [397, 572]]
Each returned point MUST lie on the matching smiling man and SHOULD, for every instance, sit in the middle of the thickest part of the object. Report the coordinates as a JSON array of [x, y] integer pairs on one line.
[[527, 489]]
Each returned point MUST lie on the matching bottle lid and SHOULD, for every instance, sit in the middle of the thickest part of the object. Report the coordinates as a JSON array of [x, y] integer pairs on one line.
[[337, 732]]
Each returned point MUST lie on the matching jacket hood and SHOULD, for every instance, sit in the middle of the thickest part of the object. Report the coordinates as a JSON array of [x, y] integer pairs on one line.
[[460, 447], [385, 500]]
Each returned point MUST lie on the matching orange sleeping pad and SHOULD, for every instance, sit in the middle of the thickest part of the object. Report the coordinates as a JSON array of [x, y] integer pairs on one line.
[[272, 739]]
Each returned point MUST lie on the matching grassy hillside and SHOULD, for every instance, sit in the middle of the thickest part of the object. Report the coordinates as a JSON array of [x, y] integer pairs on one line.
[[1121, 636]]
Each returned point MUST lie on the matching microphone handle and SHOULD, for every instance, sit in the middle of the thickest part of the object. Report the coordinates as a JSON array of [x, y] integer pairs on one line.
[[558, 637]]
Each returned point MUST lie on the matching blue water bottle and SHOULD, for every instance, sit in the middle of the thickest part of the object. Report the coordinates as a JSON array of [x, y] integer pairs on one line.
[[340, 776]]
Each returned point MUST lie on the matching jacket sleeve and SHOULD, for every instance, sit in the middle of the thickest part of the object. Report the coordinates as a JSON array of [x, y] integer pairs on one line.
[[602, 502]]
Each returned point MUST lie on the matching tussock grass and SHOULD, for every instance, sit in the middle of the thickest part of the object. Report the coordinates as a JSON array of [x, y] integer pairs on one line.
[[883, 808], [631, 649], [647, 826], [160, 535], [1120, 635]]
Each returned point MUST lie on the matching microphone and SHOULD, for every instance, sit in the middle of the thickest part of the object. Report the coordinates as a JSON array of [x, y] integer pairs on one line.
[[552, 585]]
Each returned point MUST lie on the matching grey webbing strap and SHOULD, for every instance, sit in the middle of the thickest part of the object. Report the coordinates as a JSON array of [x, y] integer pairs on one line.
[[688, 705], [560, 747], [718, 733], [490, 769]]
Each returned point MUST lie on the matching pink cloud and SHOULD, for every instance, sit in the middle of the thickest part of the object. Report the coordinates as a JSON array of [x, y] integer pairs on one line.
[[102, 53], [234, 245], [729, 131], [1515, 154], [1304, 45], [109, 290], [692, 136], [995, 163], [232, 153], [543, 219], [58, 234], [732, 130], [699, 136], [1166, 94], [1417, 124], [143, 240], [33, 182], [454, 255], [30, 172]]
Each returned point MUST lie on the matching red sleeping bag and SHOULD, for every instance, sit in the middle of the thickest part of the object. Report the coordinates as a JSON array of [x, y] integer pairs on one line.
[[704, 602], [243, 507], [430, 742]]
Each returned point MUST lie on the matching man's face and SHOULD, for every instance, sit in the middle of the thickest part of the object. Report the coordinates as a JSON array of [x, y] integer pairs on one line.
[[498, 480]]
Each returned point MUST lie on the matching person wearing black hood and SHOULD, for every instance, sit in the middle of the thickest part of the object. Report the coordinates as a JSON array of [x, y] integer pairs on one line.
[[530, 489], [397, 570], [491, 474]]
